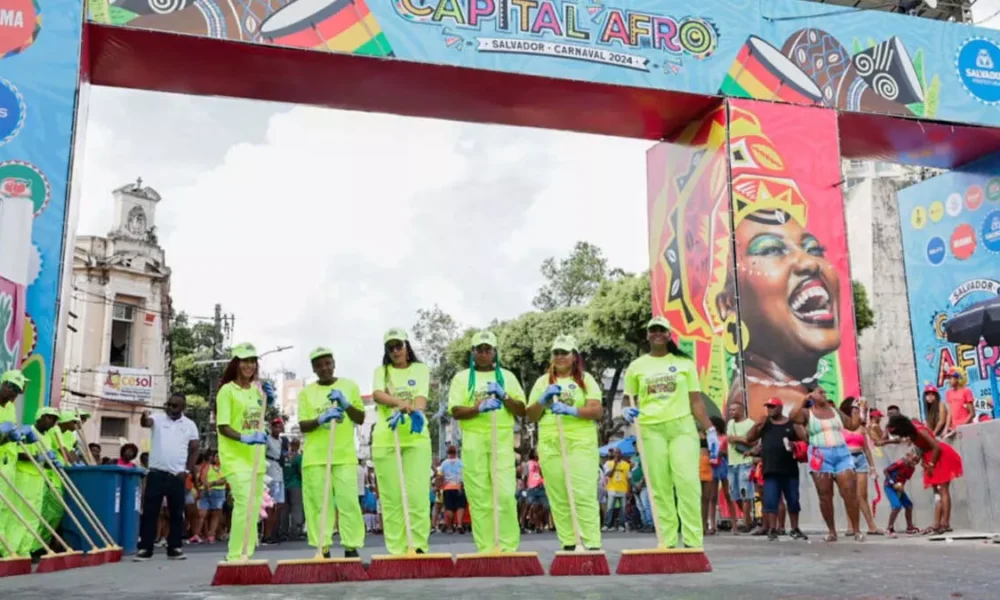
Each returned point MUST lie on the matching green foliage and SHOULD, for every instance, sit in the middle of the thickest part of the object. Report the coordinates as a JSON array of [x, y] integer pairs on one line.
[[864, 317], [572, 281], [189, 344]]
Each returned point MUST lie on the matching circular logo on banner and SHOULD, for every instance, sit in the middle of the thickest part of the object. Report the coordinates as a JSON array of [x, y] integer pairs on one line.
[[953, 205], [936, 211], [918, 218], [963, 241], [20, 179], [993, 189], [935, 250], [973, 197], [990, 233], [978, 65], [12, 109], [20, 22]]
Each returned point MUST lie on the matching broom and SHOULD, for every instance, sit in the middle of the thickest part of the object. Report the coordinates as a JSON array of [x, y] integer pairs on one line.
[[660, 560], [91, 559], [245, 571], [497, 563], [411, 565], [581, 561], [319, 569], [87, 456], [111, 552], [52, 561], [12, 564]]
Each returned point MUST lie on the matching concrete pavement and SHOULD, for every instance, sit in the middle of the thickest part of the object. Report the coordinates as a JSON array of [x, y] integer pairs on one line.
[[744, 567]]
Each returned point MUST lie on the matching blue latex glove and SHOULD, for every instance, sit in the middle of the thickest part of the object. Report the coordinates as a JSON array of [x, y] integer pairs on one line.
[[52, 457], [630, 414], [396, 420], [14, 436], [254, 439], [712, 441], [333, 414], [338, 397], [565, 409], [7, 427], [493, 388], [490, 405], [269, 393], [551, 393], [28, 435], [417, 422]]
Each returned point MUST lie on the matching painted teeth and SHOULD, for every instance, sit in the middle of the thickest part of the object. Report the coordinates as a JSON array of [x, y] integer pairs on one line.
[[812, 292]]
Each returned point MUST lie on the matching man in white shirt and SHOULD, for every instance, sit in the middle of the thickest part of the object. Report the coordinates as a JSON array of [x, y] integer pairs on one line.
[[173, 451]]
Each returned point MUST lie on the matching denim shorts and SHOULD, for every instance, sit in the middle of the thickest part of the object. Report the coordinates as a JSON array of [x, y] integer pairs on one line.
[[536, 495], [740, 486], [277, 491], [212, 500], [776, 486], [897, 500], [189, 497], [836, 460], [860, 462], [720, 472]]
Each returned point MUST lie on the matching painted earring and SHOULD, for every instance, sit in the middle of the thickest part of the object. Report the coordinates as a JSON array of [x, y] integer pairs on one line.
[[731, 342]]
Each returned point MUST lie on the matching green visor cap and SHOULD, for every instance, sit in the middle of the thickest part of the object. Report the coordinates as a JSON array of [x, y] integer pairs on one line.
[[484, 337], [244, 351], [658, 322], [320, 352], [394, 334], [566, 343], [15, 378]]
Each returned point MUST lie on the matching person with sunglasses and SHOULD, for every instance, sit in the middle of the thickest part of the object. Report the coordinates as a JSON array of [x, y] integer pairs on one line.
[[485, 387], [400, 389], [569, 393]]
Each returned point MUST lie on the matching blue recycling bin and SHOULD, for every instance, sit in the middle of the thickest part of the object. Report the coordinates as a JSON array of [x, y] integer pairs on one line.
[[101, 487], [131, 507]]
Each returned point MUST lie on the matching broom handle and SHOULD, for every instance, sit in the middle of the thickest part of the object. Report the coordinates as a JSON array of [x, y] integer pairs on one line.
[[52, 488], [81, 502], [98, 526], [645, 477], [251, 513], [34, 513], [85, 450], [402, 492], [493, 482], [569, 483], [326, 490]]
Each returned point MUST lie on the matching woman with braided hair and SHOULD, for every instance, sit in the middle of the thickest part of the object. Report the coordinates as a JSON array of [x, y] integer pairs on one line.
[[476, 392]]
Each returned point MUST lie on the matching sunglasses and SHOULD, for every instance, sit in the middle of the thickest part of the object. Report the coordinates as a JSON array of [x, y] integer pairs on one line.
[[483, 349], [560, 353], [394, 346]]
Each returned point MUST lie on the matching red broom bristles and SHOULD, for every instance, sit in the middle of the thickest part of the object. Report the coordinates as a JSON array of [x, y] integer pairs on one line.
[[251, 572], [579, 563], [499, 565], [319, 571], [94, 559], [59, 562], [10, 567], [663, 562], [420, 566], [115, 555]]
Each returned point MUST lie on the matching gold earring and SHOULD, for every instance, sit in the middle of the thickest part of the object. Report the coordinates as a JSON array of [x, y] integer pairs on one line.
[[730, 341]]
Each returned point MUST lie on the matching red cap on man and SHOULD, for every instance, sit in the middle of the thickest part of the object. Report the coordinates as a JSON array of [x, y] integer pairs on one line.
[[773, 402]]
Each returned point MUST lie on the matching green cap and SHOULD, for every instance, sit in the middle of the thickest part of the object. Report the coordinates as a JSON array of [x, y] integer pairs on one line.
[[47, 411], [394, 334], [68, 416], [85, 414], [484, 337], [565, 342], [244, 351], [659, 322], [15, 378], [319, 352]]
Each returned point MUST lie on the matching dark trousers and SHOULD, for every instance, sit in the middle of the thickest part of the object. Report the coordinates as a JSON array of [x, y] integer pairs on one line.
[[160, 485]]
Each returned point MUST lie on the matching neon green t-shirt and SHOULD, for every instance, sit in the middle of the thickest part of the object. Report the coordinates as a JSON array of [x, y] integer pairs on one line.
[[459, 395], [573, 427], [662, 385], [314, 401], [8, 451], [243, 410], [738, 429], [406, 384], [68, 440], [34, 449]]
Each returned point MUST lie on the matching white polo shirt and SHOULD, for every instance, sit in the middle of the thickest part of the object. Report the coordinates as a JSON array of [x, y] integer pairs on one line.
[[169, 445]]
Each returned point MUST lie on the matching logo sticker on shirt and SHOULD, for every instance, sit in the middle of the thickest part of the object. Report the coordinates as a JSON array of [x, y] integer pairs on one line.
[[662, 384], [672, 369], [411, 382]]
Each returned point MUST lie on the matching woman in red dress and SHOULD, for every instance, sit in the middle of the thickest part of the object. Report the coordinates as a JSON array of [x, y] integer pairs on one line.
[[941, 463]]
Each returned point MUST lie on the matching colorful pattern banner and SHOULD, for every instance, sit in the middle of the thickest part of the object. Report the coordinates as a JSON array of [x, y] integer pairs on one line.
[[749, 256], [951, 254], [784, 50], [39, 72]]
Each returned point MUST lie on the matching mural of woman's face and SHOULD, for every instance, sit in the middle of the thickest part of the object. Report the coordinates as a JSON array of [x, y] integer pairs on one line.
[[789, 291]]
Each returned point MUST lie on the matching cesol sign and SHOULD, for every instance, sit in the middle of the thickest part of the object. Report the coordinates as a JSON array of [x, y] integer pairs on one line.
[[129, 385]]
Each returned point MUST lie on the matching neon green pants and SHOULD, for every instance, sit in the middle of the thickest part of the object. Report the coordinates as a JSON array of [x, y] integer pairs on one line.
[[476, 456], [239, 485], [52, 507], [343, 501], [671, 465], [32, 488], [584, 464], [7, 520], [417, 471]]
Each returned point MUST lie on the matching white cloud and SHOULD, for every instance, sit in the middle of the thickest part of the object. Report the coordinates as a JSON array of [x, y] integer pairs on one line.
[[318, 227]]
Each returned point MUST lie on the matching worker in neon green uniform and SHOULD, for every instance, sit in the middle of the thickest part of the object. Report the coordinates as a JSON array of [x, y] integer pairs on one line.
[[69, 422], [400, 388], [663, 393], [29, 482], [568, 392], [11, 385], [476, 392], [52, 507], [239, 413], [325, 401]]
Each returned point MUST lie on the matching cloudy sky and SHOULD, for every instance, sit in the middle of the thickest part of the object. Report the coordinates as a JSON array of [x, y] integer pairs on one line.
[[320, 227]]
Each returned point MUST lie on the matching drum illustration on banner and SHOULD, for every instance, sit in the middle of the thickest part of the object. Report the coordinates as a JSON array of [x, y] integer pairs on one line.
[[332, 25], [761, 71]]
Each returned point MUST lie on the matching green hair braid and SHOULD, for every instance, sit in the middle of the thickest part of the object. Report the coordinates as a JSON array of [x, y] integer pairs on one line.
[[497, 371]]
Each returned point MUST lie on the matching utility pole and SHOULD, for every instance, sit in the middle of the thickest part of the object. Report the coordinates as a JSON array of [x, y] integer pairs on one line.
[[213, 375]]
